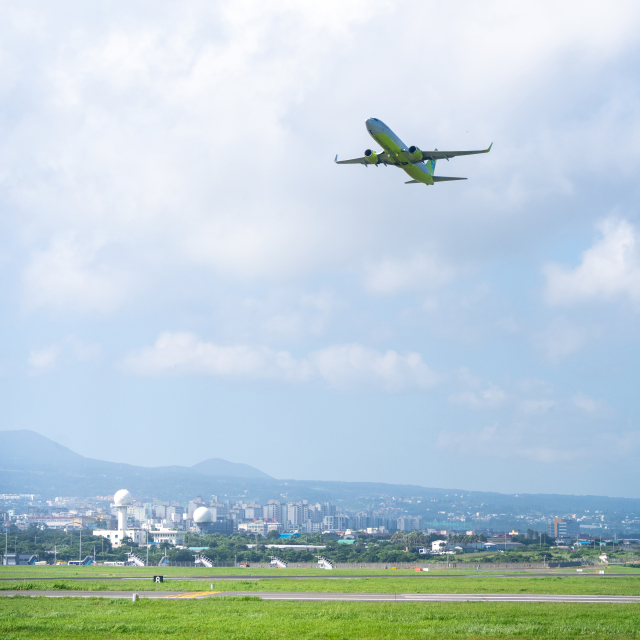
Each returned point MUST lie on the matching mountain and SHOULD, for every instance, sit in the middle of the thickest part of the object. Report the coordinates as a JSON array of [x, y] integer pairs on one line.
[[220, 467], [28, 457], [28, 449], [31, 463]]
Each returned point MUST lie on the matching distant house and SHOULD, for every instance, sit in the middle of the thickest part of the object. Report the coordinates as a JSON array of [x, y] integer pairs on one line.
[[13, 559]]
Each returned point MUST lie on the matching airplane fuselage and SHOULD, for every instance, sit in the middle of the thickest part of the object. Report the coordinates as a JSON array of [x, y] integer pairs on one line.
[[399, 152]]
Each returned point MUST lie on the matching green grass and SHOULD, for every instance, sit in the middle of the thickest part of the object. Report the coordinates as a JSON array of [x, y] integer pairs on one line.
[[31, 573], [237, 618], [588, 585], [98, 571]]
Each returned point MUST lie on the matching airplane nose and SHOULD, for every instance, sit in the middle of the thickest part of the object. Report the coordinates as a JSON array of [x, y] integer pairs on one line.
[[372, 124]]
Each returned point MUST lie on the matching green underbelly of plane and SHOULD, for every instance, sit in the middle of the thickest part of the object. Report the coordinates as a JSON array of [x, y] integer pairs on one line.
[[415, 171]]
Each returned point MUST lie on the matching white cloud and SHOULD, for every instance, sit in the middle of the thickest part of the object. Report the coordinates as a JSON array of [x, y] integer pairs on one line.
[[340, 366], [609, 269], [353, 364], [42, 360], [182, 353], [68, 275]]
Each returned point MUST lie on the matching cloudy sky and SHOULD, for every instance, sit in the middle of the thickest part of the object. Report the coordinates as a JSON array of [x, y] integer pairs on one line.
[[186, 274]]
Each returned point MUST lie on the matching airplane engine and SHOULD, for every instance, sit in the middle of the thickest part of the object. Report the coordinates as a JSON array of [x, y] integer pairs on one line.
[[415, 153], [371, 156]]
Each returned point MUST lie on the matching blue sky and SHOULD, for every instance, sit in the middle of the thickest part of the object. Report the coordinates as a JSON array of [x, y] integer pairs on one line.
[[187, 274]]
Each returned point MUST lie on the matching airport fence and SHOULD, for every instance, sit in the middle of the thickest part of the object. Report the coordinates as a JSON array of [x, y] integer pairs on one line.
[[465, 566]]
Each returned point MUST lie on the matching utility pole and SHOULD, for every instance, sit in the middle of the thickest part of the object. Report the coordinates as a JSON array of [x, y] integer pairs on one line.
[[80, 551], [147, 547], [55, 554]]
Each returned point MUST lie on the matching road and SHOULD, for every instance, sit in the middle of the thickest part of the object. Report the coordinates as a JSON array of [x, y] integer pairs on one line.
[[343, 597]]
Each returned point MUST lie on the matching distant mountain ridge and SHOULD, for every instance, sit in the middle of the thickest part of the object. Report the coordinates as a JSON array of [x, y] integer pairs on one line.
[[32, 463], [24, 450]]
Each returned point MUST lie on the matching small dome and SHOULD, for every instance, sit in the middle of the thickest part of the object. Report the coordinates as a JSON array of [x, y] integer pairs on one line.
[[202, 514], [122, 498]]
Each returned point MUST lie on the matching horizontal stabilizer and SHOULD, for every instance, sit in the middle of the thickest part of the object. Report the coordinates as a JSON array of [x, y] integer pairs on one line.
[[445, 178], [412, 182]]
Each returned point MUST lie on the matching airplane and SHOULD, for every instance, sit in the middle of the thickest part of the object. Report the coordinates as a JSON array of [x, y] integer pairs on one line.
[[419, 165]]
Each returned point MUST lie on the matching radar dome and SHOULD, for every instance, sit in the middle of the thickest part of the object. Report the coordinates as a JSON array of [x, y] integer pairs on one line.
[[122, 498], [202, 514]]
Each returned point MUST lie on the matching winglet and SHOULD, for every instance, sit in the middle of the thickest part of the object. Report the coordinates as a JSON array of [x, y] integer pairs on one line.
[[336, 160], [487, 151]]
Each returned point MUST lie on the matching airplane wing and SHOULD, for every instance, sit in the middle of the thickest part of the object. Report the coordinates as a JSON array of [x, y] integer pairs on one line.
[[435, 179], [383, 158], [445, 155], [352, 161]]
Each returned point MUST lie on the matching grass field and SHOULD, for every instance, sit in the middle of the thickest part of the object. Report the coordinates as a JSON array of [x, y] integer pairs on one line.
[[587, 585], [239, 618], [62, 571]]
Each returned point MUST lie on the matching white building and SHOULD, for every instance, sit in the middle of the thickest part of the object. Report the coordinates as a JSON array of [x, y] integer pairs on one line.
[[335, 523], [122, 501], [439, 546], [260, 527], [170, 536]]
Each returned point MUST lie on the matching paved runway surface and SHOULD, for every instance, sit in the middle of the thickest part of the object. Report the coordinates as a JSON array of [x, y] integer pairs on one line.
[[345, 597]]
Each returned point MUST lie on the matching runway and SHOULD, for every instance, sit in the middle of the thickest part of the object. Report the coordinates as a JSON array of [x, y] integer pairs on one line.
[[331, 597]]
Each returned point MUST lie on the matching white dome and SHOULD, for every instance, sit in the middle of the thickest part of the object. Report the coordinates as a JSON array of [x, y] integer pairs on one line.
[[122, 498], [202, 514]]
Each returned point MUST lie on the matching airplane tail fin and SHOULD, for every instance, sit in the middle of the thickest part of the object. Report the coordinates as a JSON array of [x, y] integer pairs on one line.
[[431, 166]]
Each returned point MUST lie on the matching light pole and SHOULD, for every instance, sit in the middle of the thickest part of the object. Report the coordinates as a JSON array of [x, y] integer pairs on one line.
[[147, 547], [80, 550]]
